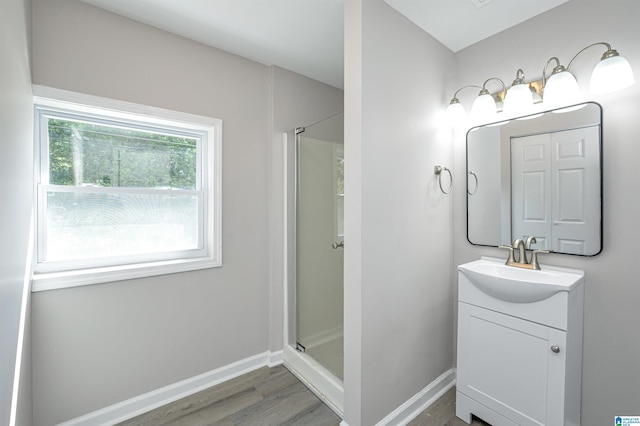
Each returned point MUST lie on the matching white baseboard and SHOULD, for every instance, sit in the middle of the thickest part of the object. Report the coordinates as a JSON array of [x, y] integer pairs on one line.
[[419, 402], [146, 402], [275, 358], [412, 408]]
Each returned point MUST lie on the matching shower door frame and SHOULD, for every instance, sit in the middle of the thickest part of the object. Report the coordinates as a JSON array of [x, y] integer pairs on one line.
[[314, 375]]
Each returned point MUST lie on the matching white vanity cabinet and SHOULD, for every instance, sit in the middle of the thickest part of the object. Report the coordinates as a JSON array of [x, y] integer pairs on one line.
[[519, 363]]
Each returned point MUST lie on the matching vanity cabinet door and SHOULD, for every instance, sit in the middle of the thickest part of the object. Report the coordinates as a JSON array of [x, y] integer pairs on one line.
[[512, 366]]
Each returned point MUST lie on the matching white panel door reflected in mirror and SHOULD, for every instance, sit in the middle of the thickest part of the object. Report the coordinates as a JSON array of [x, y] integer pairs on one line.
[[539, 177]]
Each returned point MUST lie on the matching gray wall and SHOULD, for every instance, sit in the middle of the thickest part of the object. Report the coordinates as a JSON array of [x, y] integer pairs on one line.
[[97, 345], [611, 376], [398, 298], [16, 146]]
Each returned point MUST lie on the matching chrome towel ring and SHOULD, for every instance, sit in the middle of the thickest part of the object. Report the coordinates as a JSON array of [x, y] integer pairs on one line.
[[438, 170], [476, 179]]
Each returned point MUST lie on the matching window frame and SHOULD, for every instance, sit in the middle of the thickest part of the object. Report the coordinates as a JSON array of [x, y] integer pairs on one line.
[[65, 104]]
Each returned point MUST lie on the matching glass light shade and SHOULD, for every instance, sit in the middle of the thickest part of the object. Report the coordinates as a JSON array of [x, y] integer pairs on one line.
[[611, 74], [518, 100], [561, 89], [456, 115], [484, 109]]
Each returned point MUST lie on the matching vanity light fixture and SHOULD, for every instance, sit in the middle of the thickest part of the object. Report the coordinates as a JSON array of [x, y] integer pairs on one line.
[[484, 108], [519, 99], [612, 73], [456, 114], [562, 86], [534, 93]]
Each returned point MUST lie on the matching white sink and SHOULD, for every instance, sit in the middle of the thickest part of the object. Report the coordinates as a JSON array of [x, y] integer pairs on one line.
[[519, 285]]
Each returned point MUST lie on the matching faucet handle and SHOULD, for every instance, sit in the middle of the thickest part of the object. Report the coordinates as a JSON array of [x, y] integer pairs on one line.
[[518, 244], [511, 259], [534, 259], [530, 240]]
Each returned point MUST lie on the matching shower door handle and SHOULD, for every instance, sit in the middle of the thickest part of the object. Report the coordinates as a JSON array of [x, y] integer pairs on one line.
[[337, 245]]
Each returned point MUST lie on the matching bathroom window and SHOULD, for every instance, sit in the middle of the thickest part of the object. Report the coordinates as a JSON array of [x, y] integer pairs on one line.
[[123, 191]]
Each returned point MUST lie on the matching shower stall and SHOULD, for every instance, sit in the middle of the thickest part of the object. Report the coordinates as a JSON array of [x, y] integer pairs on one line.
[[315, 257]]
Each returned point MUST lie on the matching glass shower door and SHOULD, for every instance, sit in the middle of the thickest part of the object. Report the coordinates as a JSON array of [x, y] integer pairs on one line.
[[320, 242]]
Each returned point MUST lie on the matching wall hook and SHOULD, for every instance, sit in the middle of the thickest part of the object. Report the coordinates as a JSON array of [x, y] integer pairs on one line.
[[438, 170]]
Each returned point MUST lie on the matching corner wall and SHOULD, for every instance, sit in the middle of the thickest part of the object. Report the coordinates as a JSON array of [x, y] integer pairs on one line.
[[16, 146], [611, 377], [398, 298]]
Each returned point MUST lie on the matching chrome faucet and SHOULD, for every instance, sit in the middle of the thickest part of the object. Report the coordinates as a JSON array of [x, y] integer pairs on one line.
[[522, 247]]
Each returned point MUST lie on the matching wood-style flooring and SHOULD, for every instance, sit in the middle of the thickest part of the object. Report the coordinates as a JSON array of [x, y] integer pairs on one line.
[[270, 397]]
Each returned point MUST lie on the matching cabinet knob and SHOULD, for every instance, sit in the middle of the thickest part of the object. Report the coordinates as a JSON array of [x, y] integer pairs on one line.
[[555, 349]]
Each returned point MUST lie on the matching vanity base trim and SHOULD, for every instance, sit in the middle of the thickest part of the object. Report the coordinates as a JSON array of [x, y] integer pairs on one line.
[[466, 406]]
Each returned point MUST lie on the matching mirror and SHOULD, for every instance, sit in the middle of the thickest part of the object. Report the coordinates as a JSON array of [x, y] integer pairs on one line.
[[538, 175]]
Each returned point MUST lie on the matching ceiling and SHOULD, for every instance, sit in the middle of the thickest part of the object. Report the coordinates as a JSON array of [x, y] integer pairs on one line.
[[306, 36], [461, 23]]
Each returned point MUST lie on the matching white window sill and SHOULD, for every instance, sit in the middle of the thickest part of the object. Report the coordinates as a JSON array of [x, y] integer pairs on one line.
[[82, 277]]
